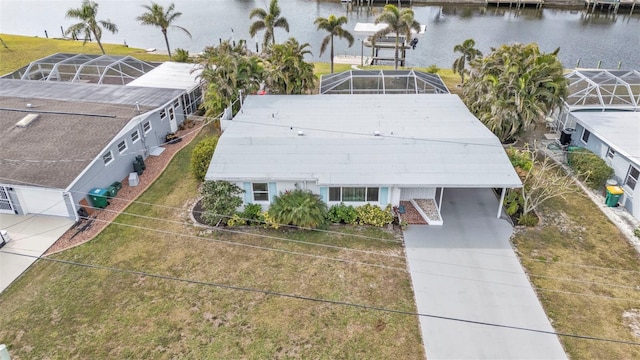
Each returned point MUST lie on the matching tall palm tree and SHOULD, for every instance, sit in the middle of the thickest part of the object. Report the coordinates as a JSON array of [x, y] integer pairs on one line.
[[515, 87], [288, 72], [398, 22], [468, 54], [88, 24], [267, 21], [158, 17], [333, 25]]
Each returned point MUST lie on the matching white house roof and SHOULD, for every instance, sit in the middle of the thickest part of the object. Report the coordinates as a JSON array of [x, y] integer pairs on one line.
[[170, 75], [619, 129], [424, 140]]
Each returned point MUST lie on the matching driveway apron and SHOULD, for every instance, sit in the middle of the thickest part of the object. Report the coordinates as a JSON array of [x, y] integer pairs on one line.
[[467, 269], [30, 235]]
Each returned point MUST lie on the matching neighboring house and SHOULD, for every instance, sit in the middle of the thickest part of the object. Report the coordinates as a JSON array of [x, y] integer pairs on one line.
[[84, 134], [359, 149], [602, 114]]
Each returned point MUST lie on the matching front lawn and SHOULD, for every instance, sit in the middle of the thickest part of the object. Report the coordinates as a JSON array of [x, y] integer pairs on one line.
[[588, 276], [63, 311]]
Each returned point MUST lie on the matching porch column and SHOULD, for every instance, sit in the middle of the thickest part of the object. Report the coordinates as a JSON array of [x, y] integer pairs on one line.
[[440, 202], [501, 202]]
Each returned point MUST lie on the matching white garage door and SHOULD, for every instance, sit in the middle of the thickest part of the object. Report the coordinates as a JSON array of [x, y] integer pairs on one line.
[[42, 201]]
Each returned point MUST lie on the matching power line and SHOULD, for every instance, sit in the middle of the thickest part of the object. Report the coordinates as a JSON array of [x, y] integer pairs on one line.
[[327, 301], [374, 253], [373, 265]]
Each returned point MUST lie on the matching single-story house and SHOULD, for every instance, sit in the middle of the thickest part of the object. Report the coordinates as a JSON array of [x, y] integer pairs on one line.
[[59, 139], [602, 114], [378, 149]]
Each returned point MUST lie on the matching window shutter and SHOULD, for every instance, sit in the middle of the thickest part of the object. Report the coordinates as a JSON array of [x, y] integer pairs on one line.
[[248, 193], [384, 196], [273, 191], [324, 194]]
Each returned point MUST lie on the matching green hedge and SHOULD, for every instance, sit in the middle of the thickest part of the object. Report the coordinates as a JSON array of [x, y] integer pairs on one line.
[[590, 167]]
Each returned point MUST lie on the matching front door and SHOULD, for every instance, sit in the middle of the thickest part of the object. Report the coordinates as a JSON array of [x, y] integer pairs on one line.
[[173, 124], [6, 207]]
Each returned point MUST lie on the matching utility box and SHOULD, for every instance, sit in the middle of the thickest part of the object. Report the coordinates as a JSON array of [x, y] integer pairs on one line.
[[98, 197], [613, 195], [134, 180]]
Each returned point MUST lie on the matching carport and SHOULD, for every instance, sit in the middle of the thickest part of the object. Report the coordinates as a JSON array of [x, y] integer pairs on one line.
[[30, 235], [467, 269]]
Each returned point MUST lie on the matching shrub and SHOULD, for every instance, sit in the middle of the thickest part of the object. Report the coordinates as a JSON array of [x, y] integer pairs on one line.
[[590, 167], [220, 201], [373, 215], [268, 221], [251, 213], [513, 202], [520, 159], [201, 157], [236, 220], [181, 56], [341, 213], [432, 69], [299, 208], [528, 219], [636, 232]]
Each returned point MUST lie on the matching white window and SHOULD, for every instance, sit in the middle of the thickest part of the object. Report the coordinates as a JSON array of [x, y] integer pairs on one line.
[[611, 153], [171, 114], [632, 177], [163, 114], [176, 103], [354, 194], [585, 136], [122, 146], [135, 136], [146, 126], [260, 192], [107, 157]]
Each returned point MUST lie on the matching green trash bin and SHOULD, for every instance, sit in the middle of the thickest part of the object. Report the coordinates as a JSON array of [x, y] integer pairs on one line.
[[98, 197], [111, 191], [613, 195]]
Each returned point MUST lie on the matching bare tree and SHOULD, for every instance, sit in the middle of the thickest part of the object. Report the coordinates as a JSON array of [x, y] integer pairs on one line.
[[542, 178]]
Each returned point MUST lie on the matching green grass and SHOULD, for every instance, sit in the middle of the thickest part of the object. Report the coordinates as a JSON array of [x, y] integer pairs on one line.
[[24, 49], [63, 311], [576, 241]]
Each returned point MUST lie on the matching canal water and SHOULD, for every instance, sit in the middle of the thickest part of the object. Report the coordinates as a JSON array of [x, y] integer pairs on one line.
[[582, 37]]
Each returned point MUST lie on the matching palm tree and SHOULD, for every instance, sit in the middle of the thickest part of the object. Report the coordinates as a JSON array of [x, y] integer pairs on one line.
[[267, 21], [162, 19], [299, 208], [469, 53], [514, 87], [88, 24], [228, 69], [288, 72], [398, 22], [333, 25]]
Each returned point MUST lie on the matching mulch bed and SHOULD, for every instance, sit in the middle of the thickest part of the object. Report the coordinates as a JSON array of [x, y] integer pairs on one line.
[[87, 229]]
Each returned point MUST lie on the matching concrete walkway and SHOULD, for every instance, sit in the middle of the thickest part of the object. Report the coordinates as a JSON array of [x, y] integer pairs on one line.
[[467, 269], [31, 235]]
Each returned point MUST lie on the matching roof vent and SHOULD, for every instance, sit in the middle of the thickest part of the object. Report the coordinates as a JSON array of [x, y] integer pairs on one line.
[[376, 133], [27, 120], [29, 105], [300, 133]]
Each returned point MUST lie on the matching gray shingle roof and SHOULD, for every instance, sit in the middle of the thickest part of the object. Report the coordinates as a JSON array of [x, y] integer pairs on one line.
[[55, 148], [425, 140]]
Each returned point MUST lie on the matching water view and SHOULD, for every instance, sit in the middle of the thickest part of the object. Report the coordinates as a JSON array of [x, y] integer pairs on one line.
[[583, 37]]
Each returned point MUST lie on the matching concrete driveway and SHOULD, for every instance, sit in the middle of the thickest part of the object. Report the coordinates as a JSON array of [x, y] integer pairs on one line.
[[467, 269], [31, 235]]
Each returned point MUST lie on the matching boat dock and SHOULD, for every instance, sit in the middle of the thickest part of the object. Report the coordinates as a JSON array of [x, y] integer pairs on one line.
[[516, 3], [611, 5]]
